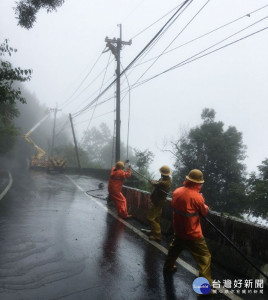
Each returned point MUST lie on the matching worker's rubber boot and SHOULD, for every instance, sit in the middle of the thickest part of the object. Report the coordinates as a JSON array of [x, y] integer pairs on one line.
[[173, 269], [154, 238]]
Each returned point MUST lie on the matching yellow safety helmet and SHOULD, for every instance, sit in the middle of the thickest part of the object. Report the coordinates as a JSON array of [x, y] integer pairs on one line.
[[119, 165], [165, 171], [196, 176]]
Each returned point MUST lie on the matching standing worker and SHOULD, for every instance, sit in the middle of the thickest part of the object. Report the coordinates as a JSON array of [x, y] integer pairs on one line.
[[187, 203], [116, 180], [161, 188]]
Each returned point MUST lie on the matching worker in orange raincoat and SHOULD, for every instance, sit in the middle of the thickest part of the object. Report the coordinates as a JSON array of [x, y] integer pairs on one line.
[[116, 180], [187, 204]]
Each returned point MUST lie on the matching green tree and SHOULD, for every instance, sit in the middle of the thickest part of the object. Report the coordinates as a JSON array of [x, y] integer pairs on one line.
[[26, 10], [257, 188], [218, 153], [67, 152], [142, 162], [9, 75], [94, 141], [99, 145], [8, 132], [263, 169], [9, 94]]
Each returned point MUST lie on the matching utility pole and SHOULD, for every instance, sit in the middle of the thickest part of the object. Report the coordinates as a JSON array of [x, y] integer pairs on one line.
[[115, 45], [54, 128], [75, 144]]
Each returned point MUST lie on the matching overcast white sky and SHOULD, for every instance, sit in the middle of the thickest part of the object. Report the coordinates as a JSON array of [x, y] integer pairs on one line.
[[63, 47]]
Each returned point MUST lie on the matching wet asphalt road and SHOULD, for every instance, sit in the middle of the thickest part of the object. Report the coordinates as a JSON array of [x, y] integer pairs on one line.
[[59, 243]]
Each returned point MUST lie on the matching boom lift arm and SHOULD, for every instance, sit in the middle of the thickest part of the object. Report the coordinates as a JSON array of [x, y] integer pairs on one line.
[[40, 152], [41, 159]]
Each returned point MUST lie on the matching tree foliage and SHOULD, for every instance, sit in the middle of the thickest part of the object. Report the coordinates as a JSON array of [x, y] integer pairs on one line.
[[8, 132], [99, 145], [142, 162], [23, 118], [9, 75], [94, 141], [26, 10], [218, 153], [67, 152], [9, 94], [258, 191]]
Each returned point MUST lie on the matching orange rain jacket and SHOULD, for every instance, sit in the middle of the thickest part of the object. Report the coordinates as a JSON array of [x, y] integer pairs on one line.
[[187, 203], [117, 179]]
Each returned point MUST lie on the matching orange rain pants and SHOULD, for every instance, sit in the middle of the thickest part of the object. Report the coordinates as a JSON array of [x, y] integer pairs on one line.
[[115, 187], [187, 203]]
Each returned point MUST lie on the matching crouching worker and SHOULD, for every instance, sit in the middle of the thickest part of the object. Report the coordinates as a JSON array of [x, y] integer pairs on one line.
[[116, 180], [161, 188], [187, 204]]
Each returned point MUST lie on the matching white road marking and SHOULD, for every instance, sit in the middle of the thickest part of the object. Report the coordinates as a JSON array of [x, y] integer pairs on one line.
[[157, 245], [7, 187]]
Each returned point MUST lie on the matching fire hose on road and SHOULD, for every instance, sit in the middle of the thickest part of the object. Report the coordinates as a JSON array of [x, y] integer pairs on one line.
[[100, 188]]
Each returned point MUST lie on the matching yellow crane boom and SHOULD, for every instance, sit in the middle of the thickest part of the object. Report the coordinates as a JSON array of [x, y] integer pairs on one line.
[[40, 159], [40, 153]]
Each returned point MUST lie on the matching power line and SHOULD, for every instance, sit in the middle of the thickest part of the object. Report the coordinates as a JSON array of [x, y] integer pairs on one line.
[[96, 117], [180, 64], [88, 106], [90, 96], [132, 11], [173, 40], [68, 100], [145, 53], [139, 33], [187, 61], [191, 59], [62, 128], [179, 33], [205, 34], [99, 91], [105, 114], [104, 101], [160, 33], [114, 130], [92, 81], [100, 103], [135, 59], [99, 57], [128, 123]]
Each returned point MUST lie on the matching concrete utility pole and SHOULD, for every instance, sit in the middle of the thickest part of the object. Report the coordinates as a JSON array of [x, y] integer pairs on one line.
[[54, 128], [115, 45], [75, 144]]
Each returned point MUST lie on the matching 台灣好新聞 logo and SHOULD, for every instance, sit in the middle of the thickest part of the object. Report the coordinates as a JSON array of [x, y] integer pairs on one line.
[[201, 286]]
